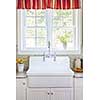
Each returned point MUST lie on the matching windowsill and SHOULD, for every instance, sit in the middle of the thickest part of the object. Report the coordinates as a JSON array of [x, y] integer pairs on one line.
[[58, 53]]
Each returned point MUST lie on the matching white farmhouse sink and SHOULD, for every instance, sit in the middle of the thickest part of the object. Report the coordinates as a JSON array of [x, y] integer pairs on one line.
[[37, 66]]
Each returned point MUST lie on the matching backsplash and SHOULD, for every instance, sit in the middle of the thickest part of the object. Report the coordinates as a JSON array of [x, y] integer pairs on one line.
[[26, 58]]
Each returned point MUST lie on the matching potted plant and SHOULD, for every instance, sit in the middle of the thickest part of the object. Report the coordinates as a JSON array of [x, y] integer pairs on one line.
[[64, 39], [20, 63]]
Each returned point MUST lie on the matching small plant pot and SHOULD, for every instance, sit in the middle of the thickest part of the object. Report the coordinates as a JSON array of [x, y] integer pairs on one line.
[[20, 67]]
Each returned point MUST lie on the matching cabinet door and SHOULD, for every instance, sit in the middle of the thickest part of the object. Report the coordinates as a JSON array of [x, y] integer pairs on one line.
[[78, 89], [20, 89], [61, 94], [38, 94]]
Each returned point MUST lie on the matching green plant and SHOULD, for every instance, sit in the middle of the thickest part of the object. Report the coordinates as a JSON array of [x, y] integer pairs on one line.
[[65, 38]]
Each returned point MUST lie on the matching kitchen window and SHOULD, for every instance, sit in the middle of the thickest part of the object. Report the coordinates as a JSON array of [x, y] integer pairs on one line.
[[57, 30]]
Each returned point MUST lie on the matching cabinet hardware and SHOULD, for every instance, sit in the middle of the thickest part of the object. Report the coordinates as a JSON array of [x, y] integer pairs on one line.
[[51, 93], [48, 93]]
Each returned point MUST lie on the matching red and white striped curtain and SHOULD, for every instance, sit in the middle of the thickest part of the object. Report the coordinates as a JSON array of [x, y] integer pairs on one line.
[[45, 4]]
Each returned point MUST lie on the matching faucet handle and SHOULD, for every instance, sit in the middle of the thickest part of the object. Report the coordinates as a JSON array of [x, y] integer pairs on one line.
[[49, 44], [44, 56]]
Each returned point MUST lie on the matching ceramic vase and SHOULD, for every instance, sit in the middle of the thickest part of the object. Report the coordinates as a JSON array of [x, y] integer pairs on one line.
[[20, 67]]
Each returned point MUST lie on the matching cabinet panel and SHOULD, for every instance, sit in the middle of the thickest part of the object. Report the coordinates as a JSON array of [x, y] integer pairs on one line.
[[37, 94], [78, 82], [20, 89], [78, 94], [78, 88], [61, 94], [21, 82], [50, 82]]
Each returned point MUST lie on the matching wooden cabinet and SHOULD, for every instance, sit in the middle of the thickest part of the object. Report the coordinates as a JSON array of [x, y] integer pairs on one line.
[[50, 87], [38, 94], [21, 89], [61, 94], [78, 88], [49, 94], [47, 88], [48, 91]]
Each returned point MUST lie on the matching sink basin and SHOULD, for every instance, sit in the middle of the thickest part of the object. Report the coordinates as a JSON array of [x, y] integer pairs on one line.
[[37, 65]]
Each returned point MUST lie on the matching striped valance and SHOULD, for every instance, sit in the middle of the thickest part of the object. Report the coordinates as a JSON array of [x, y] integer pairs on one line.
[[45, 4]]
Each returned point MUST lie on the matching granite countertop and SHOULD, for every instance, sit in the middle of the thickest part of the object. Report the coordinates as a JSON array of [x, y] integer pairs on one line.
[[24, 74]]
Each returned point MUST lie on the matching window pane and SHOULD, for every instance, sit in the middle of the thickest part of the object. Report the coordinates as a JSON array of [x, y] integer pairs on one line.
[[30, 32], [30, 42], [67, 13], [63, 18], [41, 32], [40, 12], [62, 37], [57, 21], [30, 21], [55, 41], [30, 13], [63, 33], [60, 29], [41, 42], [41, 21], [57, 12], [68, 22]]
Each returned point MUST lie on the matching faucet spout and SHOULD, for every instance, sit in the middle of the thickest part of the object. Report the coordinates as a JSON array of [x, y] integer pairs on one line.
[[49, 54], [48, 48]]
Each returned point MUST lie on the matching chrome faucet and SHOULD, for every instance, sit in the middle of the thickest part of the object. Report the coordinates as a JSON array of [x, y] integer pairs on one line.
[[49, 56], [48, 48], [49, 53]]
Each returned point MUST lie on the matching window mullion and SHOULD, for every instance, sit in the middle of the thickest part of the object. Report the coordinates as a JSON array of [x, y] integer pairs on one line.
[[49, 24], [74, 27], [77, 29], [35, 29]]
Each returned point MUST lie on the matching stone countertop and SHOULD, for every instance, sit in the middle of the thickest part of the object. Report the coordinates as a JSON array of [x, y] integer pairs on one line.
[[78, 75], [21, 75], [24, 74], [50, 74]]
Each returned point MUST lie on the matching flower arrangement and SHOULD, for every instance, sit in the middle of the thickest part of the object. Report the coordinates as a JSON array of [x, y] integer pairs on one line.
[[20, 61], [20, 64], [65, 38]]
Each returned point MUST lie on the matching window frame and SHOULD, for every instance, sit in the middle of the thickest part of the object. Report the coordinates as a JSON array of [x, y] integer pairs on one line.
[[21, 20]]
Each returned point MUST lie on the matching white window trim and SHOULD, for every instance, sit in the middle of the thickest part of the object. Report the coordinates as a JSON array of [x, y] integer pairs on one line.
[[37, 51]]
